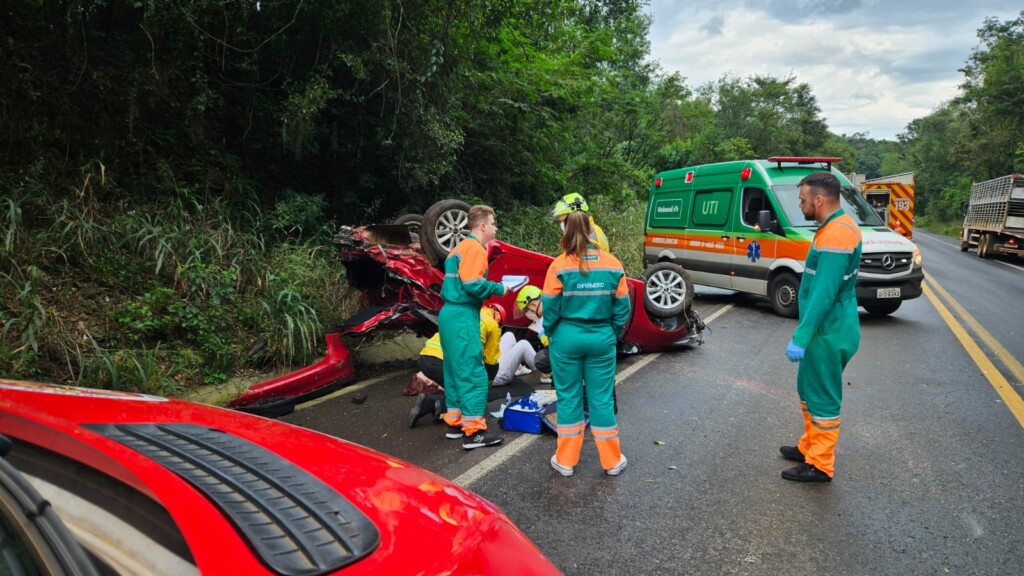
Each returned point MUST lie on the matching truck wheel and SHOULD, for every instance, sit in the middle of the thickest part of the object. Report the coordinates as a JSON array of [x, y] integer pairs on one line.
[[668, 290], [445, 225], [964, 244], [783, 291], [882, 309], [983, 245]]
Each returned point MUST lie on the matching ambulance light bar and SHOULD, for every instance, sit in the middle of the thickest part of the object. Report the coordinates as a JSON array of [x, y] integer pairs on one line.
[[827, 160]]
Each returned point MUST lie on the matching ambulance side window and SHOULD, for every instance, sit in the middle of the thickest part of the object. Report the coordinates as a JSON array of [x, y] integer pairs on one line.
[[711, 208], [753, 202]]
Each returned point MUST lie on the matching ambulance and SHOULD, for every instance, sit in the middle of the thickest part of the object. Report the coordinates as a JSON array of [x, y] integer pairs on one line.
[[738, 226]]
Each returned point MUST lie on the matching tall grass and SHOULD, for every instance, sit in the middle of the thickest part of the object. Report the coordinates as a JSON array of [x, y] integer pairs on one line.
[[164, 295]]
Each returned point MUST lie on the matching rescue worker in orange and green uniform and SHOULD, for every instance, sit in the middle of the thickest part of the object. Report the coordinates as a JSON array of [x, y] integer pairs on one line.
[[464, 290], [574, 202], [585, 309], [828, 334]]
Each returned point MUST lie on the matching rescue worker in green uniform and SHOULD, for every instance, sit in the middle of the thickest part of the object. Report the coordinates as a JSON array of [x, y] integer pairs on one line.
[[464, 290], [571, 203], [828, 334], [585, 309], [431, 364]]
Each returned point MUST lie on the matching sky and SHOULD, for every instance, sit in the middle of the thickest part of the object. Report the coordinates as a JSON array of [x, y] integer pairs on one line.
[[873, 65]]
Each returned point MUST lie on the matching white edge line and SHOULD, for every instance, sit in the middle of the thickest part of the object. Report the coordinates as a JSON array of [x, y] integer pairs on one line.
[[513, 448]]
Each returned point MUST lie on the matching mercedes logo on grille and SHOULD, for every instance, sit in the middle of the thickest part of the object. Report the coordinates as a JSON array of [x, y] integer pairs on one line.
[[888, 262]]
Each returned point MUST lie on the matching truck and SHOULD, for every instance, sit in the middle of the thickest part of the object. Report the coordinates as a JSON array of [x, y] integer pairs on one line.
[[994, 223], [892, 198]]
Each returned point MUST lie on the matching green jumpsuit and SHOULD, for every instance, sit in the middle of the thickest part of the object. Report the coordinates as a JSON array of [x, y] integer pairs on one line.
[[464, 290], [829, 330], [584, 315]]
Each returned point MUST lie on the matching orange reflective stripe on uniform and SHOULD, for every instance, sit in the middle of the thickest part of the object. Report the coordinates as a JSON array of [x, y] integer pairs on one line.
[[473, 424], [453, 417], [607, 441], [570, 443], [570, 430]]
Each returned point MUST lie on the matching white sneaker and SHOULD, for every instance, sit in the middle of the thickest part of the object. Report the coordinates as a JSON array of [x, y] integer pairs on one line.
[[545, 378], [523, 370], [563, 470], [614, 471]]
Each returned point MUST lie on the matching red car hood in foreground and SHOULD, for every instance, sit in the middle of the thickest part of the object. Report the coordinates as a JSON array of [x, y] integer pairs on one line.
[[413, 521]]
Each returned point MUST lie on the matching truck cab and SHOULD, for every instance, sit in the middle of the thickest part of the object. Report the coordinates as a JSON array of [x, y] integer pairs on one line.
[[737, 225]]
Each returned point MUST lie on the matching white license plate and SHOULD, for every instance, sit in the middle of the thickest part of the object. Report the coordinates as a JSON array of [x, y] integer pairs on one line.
[[888, 292]]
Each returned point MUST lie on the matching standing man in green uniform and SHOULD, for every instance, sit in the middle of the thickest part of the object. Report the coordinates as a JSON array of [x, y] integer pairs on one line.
[[585, 308], [464, 290], [829, 331]]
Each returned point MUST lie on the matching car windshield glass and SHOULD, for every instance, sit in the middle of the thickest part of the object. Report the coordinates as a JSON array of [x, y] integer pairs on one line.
[[852, 202]]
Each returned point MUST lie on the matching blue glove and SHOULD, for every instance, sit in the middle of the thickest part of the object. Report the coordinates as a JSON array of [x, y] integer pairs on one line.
[[794, 353]]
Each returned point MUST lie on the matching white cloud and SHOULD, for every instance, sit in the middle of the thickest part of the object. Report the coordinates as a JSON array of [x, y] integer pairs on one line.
[[873, 66]]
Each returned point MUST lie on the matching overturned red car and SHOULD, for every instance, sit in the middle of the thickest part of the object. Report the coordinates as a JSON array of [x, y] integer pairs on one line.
[[396, 267]]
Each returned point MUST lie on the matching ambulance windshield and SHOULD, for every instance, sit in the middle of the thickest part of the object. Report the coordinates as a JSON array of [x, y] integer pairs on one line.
[[852, 202]]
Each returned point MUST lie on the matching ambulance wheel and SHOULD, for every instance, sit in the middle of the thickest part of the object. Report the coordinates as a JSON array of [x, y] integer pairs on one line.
[[882, 309], [783, 292], [411, 221], [445, 225], [668, 290]]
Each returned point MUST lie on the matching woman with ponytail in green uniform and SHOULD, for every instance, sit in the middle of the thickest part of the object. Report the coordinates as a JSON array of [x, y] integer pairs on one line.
[[586, 305]]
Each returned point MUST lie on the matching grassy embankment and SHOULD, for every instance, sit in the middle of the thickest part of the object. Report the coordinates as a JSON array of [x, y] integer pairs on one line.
[[197, 290]]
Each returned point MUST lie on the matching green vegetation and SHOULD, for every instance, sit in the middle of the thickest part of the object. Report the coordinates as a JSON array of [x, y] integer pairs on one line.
[[171, 172]]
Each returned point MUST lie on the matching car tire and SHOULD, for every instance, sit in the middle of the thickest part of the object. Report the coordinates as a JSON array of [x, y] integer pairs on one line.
[[411, 221], [445, 225], [783, 291], [882, 309], [668, 290]]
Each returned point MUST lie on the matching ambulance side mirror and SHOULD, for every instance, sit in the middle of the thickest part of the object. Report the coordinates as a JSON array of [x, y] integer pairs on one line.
[[765, 222]]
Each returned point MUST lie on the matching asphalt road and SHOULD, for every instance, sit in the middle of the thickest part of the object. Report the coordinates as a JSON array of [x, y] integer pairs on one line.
[[929, 473]]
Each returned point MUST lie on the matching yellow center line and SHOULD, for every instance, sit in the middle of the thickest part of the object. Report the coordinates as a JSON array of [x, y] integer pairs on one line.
[[995, 378], [1004, 355]]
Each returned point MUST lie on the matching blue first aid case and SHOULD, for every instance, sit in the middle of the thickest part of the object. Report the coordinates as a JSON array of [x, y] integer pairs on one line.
[[521, 417]]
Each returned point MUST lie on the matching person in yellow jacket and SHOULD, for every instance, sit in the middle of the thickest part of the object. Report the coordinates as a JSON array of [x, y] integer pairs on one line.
[[575, 202], [828, 334], [586, 306], [464, 290], [431, 363]]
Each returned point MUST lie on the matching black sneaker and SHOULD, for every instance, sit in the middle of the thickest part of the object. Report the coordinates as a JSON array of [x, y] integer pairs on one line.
[[453, 433], [792, 453], [480, 439], [422, 407], [805, 473]]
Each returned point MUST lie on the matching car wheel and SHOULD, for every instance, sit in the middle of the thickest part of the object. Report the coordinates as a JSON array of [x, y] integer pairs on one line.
[[445, 224], [411, 221], [783, 292], [882, 309], [668, 290]]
